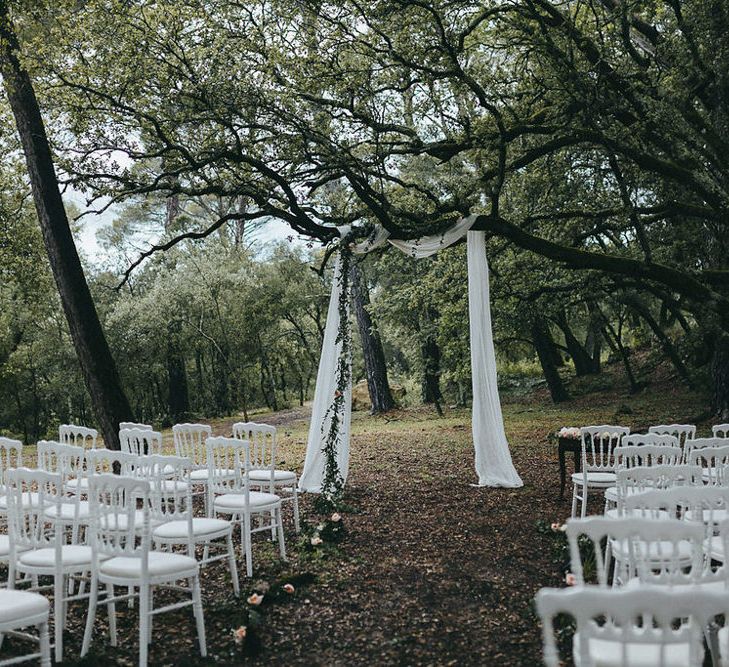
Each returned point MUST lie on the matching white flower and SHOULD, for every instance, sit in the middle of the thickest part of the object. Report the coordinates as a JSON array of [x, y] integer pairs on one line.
[[255, 599], [316, 541], [239, 635], [289, 588], [570, 579], [336, 517]]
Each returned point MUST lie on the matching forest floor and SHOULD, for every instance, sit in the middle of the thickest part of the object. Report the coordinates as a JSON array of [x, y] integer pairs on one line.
[[431, 571]]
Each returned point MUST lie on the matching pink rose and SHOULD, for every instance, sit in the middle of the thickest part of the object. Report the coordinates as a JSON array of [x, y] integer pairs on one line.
[[289, 588], [570, 579], [255, 599], [239, 635]]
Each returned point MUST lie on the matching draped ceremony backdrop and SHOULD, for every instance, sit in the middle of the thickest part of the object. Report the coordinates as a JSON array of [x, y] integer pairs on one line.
[[492, 457]]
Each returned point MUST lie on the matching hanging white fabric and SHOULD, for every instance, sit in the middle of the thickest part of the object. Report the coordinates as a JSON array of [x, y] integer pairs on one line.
[[326, 386], [492, 457]]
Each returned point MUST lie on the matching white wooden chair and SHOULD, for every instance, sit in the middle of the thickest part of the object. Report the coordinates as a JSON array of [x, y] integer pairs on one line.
[[666, 551], [81, 436], [682, 432], [650, 626], [140, 442], [35, 499], [720, 430], [23, 609], [641, 479], [700, 443], [190, 443], [232, 496], [120, 559], [172, 514], [598, 463], [264, 474]]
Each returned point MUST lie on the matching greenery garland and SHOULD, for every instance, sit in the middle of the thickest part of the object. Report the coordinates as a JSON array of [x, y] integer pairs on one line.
[[332, 487]]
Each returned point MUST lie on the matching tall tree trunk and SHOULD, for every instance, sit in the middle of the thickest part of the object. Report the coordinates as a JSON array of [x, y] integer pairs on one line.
[[543, 346], [430, 353], [374, 356], [97, 365], [720, 378]]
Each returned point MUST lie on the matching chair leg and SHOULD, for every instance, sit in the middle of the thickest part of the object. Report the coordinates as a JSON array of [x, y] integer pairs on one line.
[[246, 529], [90, 615], [199, 618], [151, 615], [59, 587], [111, 612], [143, 624], [232, 565], [296, 507], [584, 501], [574, 500], [281, 543], [45, 645]]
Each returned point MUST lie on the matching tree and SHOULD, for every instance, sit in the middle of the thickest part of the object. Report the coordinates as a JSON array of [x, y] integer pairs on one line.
[[97, 365]]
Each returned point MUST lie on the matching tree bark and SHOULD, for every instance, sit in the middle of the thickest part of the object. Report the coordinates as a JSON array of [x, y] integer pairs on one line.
[[581, 358], [543, 346], [720, 377], [374, 355], [97, 364]]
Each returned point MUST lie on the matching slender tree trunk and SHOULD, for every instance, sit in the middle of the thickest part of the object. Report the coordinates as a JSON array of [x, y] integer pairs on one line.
[[430, 353], [543, 346], [374, 355], [97, 364], [720, 378], [580, 356]]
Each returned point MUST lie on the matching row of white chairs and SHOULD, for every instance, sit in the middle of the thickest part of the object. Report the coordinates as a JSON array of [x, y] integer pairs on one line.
[[599, 445], [234, 489]]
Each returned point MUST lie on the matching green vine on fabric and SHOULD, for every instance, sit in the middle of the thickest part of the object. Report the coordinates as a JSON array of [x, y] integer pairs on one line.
[[332, 487]]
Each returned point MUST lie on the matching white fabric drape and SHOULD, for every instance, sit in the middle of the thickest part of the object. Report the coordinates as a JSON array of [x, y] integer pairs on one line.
[[326, 385], [493, 459]]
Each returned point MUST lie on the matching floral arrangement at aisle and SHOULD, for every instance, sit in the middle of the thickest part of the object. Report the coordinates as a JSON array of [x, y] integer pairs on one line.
[[569, 433]]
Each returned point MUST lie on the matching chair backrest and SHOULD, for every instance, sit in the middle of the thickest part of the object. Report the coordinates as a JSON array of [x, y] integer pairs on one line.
[[101, 461], [140, 442], [65, 460], [114, 501], [630, 618], [682, 432], [646, 455], [669, 551], [228, 465], [125, 426], [170, 493], [655, 439], [190, 442], [638, 479], [11, 456], [81, 436], [262, 439], [700, 443], [720, 430], [704, 506], [713, 461], [598, 443], [29, 493]]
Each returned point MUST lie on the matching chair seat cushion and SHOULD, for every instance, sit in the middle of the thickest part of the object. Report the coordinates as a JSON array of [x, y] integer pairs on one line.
[[178, 529], [203, 474], [595, 478], [21, 604], [278, 476], [237, 501], [68, 511], [715, 516], [160, 564], [173, 486], [607, 653], [71, 554]]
